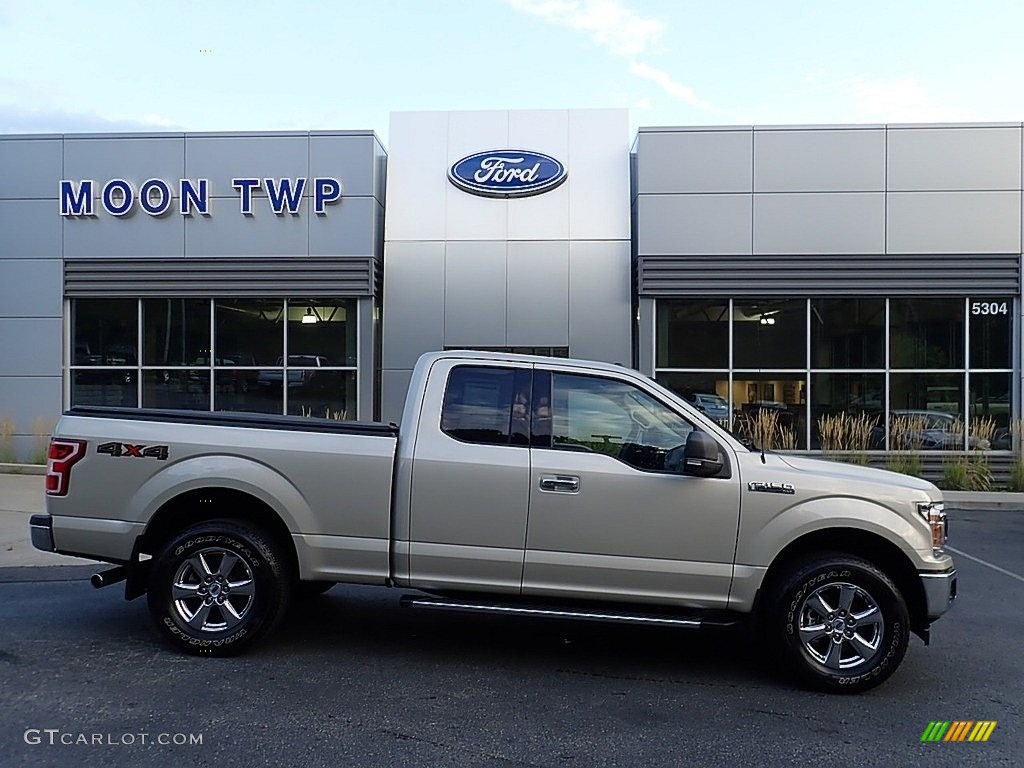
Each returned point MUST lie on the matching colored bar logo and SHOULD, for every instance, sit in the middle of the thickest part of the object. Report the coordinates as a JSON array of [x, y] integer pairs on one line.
[[959, 730]]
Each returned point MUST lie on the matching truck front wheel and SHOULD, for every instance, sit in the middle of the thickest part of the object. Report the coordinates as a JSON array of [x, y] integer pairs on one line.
[[840, 623], [217, 587]]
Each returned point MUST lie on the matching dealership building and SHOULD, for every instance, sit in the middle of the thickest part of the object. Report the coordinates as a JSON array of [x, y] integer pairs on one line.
[[805, 270]]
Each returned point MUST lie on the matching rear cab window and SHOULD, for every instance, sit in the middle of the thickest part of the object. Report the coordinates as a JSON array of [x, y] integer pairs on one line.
[[487, 405]]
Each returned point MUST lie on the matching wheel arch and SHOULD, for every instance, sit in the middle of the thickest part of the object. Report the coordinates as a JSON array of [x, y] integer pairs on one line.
[[198, 505], [876, 549]]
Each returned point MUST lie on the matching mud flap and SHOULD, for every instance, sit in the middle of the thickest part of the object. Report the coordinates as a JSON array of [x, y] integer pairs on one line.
[[137, 581]]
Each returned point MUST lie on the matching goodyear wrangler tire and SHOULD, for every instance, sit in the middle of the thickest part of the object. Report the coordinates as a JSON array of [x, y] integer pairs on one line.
[[840, 623], [218, 587]]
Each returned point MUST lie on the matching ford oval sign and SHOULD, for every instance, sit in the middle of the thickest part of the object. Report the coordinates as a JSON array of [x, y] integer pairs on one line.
[[507, 173]]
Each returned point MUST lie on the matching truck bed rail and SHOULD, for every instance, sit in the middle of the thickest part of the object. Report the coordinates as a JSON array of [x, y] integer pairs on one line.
[[238, 419]]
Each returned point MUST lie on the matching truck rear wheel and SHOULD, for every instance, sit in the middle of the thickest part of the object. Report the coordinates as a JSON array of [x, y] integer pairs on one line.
[[840, 623], [218, 587]]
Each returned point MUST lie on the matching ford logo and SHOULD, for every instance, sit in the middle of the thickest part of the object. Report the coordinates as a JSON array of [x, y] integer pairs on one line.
[[507, 173]]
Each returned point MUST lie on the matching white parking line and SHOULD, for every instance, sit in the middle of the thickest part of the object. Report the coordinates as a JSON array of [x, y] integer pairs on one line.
[[994, 567]]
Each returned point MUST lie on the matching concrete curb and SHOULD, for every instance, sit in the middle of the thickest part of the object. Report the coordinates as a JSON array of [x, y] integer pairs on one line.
[[971, 501], [22, 469]]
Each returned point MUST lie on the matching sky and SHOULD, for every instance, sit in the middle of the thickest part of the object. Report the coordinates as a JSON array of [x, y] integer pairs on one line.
[[222, 65]]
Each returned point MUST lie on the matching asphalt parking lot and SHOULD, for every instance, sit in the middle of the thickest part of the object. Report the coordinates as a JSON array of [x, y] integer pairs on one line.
[[354, 680]]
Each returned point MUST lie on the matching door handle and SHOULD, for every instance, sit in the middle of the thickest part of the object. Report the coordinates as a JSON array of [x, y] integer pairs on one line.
[[560, 483]]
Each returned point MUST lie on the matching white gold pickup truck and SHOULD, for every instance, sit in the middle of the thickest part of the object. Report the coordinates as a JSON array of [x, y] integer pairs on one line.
[[516, 485]]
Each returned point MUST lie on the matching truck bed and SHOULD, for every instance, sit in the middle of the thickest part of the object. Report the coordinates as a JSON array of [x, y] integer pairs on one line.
[[328, 481]]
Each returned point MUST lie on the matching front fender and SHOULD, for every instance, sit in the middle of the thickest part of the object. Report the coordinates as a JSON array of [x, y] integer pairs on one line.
[[762, 537]]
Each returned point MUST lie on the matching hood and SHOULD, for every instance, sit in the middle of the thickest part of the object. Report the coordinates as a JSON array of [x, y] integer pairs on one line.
[[855, 472]]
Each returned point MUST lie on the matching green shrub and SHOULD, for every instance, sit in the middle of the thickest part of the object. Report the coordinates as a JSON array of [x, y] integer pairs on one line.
[[42, 428], [6, 441], [966, 474], [1016, 482], [954, 476], [904, 463]]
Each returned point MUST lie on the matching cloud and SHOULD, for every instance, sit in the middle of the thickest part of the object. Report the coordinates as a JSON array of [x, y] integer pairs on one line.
[[620, 30], [902, 100], [608, 22], [672, 87], [15, 119]]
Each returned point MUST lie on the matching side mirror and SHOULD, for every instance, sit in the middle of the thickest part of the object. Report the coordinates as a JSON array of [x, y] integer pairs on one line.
[[702, 456]]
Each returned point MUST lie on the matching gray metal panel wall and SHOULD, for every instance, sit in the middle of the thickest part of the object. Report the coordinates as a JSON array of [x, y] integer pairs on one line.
[[710, 161], [819, 161], [600, 320], [545, 270], [831, 210], [858, 275], [30, 299], [30, 229], [537, 284], [221, 276], [349, 230], [474, 293], [414, 297]]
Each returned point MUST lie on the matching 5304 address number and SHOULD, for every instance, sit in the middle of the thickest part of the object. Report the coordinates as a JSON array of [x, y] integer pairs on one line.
[[990, 308]]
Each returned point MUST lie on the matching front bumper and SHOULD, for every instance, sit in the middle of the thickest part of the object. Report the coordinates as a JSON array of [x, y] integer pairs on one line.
[[939, 591], [41, 529]]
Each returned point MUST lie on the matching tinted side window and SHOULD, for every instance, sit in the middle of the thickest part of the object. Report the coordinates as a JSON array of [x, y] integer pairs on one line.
[[487, 405], [614, 418]]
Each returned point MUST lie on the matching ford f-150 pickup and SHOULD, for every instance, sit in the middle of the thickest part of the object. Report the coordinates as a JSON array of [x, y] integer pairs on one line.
[[515, 485]]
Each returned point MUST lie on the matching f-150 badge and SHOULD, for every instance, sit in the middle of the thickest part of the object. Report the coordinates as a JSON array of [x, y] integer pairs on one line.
[[786, 488]]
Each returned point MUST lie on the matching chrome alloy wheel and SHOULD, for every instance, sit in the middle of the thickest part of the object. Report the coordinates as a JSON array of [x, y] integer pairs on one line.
[[841, 626], [213, 590]]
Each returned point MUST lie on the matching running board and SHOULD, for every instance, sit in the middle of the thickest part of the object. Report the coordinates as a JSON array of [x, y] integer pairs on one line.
[[538, 611]]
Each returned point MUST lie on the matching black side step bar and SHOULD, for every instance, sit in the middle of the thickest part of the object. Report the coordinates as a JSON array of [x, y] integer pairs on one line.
[[550, 612]]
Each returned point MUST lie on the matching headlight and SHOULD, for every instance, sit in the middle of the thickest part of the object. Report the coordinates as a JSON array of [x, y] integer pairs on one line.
[[934, 514]]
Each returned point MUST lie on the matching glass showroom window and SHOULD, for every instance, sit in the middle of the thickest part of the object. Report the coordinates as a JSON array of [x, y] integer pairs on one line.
[[248, 361], [769, 377], [104, 346], [176, 353], [322, 358], [224, 354], [743, 363], [693, 354], [934, 374], [848, 370]]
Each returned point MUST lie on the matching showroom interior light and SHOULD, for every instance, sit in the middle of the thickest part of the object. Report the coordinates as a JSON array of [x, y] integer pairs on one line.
[[310, 317]]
